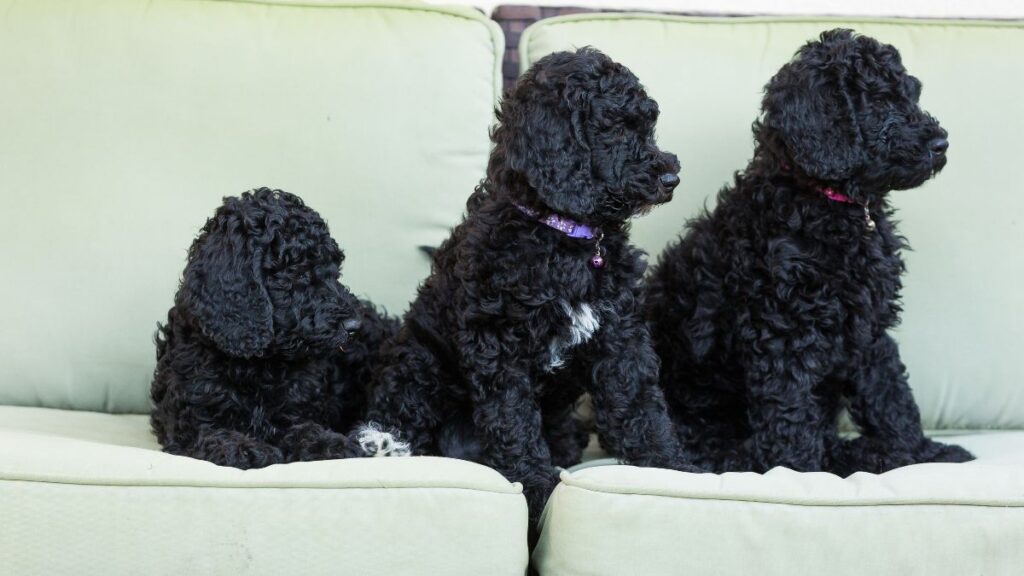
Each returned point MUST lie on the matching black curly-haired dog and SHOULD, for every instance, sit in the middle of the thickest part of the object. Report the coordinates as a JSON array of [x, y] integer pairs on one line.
[[266, 356], [771, 314], [534, 298]]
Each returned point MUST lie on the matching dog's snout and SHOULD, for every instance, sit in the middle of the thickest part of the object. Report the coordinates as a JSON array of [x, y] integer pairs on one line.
[[938, 145], [669, 180], [352, 324], [671, 163]]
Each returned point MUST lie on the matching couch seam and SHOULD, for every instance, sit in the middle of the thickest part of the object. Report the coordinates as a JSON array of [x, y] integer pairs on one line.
[[511, 492], [1017, 502]]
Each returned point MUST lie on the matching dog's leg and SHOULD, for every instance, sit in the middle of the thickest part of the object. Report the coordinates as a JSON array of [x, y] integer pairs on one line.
[[630, 413], [565, 433], [883, 408], [406, 396], [508, 419], [311, 441], [786, 420], [231, 448]]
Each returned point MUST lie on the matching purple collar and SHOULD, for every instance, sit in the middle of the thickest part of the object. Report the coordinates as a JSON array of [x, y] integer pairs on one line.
[[567, 226], [570, 228]]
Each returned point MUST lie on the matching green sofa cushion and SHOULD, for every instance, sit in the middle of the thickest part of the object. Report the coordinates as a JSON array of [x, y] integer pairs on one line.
[[124, 122], [935, 519], [963, 302], [97, 487]]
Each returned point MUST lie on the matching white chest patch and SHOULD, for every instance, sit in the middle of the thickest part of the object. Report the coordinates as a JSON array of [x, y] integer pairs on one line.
[[583, 322]]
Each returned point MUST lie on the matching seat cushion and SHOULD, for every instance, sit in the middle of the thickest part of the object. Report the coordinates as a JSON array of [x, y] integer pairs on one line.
[[97, 487], [962, 296], [935, 519], [124, 122]]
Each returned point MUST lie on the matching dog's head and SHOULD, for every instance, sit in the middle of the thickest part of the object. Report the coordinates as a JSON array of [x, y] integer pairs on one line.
[[576, 136], [263, 278], [845, 112]]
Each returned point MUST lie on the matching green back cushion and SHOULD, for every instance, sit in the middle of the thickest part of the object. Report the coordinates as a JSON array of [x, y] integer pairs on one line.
[[124, 122], [962, 330]]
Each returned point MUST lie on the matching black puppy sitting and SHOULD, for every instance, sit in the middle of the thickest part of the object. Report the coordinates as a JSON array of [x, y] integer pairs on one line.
[[771, 314], [534, 298], [265, 357]]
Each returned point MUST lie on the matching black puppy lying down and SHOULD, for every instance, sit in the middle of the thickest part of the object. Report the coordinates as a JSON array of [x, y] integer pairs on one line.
[[265, 357]]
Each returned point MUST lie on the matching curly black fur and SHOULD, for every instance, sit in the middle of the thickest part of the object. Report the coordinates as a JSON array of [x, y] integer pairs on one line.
[[514, 324], [772, 314], [266, 357]]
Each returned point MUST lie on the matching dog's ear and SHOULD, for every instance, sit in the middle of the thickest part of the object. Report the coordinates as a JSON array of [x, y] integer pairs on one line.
[[543, 137], [223, 288], [809, 107]]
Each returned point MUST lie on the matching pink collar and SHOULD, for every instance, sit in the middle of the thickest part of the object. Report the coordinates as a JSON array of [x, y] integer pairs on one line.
[[835, 196], [829, 193], [832, 194]]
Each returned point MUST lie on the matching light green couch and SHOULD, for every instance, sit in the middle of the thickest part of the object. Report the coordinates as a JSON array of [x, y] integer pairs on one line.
[[122, 124], [961, 335]]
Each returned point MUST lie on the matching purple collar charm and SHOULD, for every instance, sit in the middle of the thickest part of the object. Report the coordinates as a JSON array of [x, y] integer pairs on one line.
[[570, 228]]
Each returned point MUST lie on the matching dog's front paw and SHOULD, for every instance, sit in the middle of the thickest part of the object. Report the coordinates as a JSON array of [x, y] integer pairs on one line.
[[864, 454], [938, 452], [377, 442], [229, 448]]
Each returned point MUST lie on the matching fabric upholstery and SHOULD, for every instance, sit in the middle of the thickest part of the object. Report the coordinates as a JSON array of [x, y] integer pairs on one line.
[[935, 519], [124, 122], [960, 329], [96, 487]]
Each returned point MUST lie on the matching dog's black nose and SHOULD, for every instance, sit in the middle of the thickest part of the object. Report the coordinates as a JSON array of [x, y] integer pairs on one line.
[[938, 146], [352, 324], [669, 181]]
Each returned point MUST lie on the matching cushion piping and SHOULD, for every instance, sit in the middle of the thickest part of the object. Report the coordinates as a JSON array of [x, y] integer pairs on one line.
[[571, 481]]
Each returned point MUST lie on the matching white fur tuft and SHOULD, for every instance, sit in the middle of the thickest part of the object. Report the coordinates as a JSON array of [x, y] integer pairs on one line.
[[555, 350], [584, 322], [377, 443]]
